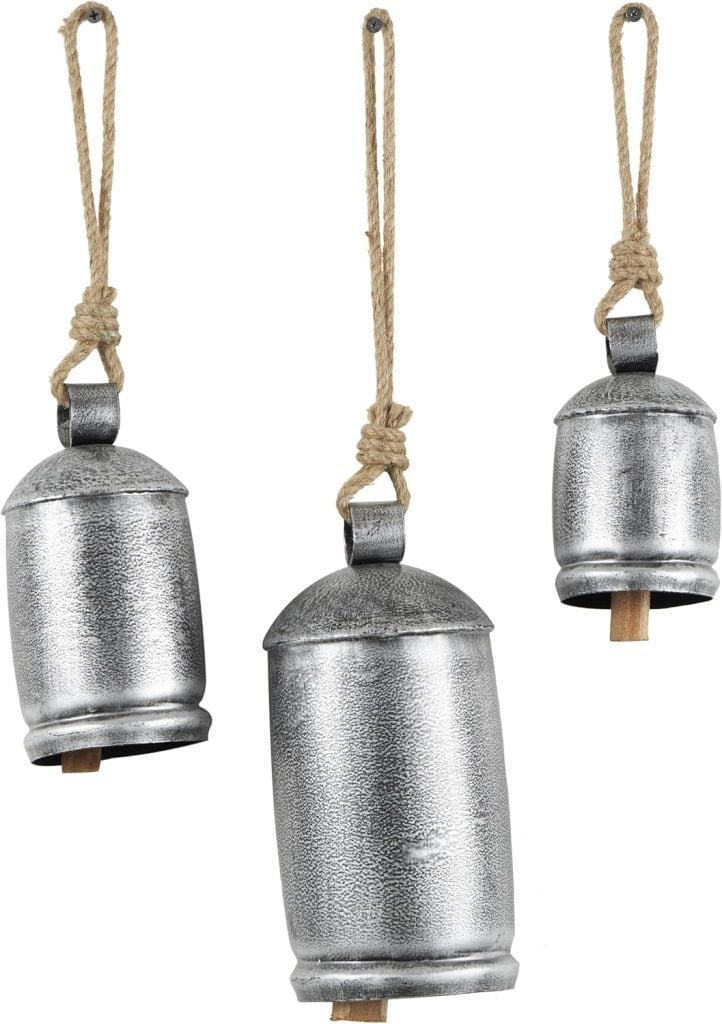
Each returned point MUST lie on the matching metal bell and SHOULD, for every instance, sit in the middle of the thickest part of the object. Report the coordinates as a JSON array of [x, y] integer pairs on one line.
[[103, 596], [636, 483], [389, 785]]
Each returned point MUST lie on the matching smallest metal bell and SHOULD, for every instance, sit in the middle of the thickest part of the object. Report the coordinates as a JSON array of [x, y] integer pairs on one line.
[[105, 613], [389, 784], [636, 483]]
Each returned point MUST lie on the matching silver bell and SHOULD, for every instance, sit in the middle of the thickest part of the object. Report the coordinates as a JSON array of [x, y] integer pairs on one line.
[[636, 483], [390, 791], [103, 597]]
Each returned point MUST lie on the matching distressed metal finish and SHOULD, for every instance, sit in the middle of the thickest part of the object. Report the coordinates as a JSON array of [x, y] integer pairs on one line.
[[636, 492], [632, 344], [104, 606], [376, 532], [390, 791], [92, 417]]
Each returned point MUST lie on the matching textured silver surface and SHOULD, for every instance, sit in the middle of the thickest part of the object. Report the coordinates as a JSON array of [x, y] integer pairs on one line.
[[636, 492], [104, 606], [93, 416], [389, 787], [376, 532], [632, 344]]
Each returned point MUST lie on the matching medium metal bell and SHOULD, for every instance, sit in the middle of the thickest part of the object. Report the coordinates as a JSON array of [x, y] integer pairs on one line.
[[103, 597], [389, 785], [636, 483]]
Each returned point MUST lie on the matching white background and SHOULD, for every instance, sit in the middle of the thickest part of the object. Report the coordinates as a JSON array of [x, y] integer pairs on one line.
[[150, 892]]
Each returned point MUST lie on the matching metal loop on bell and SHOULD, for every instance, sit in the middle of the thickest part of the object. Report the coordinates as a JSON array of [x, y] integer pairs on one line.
[[376, 532], [93, 416], [632, 344]]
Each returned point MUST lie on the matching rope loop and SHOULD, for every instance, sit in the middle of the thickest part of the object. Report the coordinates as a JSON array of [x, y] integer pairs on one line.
[[382, 447], [634, 260], [95, 324]]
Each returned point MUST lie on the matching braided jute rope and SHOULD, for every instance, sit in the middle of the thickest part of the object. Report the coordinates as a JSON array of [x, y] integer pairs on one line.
[[95, 324], [634, 260], [382, 447]]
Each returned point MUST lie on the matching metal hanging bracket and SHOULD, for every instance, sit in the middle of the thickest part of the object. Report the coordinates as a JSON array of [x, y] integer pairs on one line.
[[376, 532], [92, 417], [632, 344]]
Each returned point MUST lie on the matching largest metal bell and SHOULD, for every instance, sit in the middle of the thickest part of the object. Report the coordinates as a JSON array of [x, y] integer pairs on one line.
[[103, 596], [390, 792], [636, 482]]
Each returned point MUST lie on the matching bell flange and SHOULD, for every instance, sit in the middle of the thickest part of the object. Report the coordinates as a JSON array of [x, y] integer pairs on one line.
[[636, 488], [389, 785], [104, 606]]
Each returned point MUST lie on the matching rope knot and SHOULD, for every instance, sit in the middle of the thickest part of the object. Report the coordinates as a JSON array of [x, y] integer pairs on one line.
[[381, 449], [382, 446], [634, 263], [95, 323], [94, 326]]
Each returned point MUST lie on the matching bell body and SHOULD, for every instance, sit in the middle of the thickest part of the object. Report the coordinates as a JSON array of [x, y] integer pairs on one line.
[[390, 791], [636, 492], [104, 607]]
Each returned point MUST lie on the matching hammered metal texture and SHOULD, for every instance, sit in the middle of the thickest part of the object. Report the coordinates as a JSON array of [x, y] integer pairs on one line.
[[104, 606], [636, 493], [390, 791]]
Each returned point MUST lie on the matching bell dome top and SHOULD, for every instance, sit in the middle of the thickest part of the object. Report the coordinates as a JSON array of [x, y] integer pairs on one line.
[[634, 392], [380, 599], [91, 470]]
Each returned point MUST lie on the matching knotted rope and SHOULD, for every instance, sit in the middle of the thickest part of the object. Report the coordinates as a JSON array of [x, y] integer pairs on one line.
[[634, 260], [95, 324], [382, 447]]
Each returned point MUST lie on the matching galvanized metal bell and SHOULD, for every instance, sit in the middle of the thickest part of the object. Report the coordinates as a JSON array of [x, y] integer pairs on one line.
[[636, 482], [389, 784], [105, 613]]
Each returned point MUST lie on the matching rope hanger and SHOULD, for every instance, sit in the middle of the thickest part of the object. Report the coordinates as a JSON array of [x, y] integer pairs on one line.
[[382, 446], [634, 259], [95, 324]]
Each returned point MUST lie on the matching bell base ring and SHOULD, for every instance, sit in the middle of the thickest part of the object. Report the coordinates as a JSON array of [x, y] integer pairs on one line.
[[119, 734], [352, 980], [670, 583]]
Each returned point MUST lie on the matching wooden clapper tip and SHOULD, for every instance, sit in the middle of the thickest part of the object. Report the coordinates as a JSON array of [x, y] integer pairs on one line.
[[373, 1010], [630, 615], [76, 761]]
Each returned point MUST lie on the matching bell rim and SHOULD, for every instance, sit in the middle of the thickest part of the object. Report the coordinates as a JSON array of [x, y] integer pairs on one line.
[[350, 980], [671, 583], [127, 731]]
